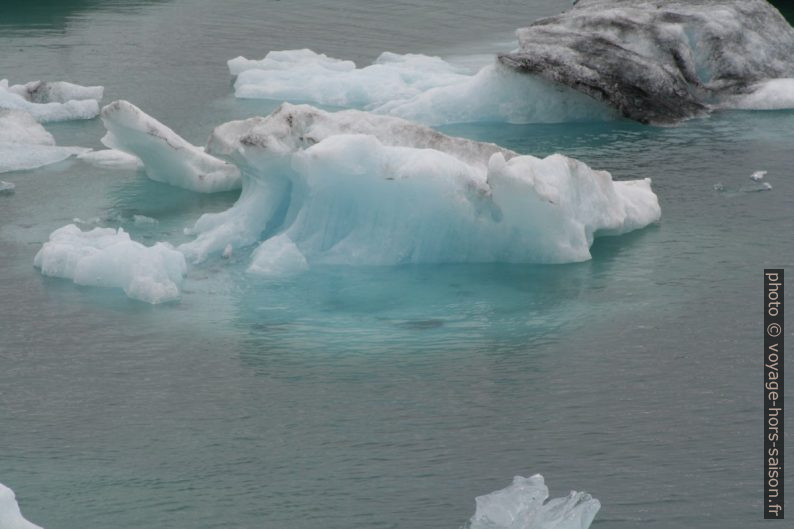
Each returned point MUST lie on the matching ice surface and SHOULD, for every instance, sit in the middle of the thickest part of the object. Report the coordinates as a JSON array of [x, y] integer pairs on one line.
[[112, 159], [6, 188], [10, 515], [25, 144], [352, 187], [56, 101], [417, 87], [166, 157], [774, 94], [660, 62], [757, 176], [109, 258], [523, 505]]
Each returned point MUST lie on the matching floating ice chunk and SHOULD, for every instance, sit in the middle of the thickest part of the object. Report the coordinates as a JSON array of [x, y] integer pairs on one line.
[[112, 159], [417, 87], [10, 515], [58, 101], [228, 251], [356, 188], [277, 257], [758, 176], [7, 188], [768, 95], [109, 258], [143, 220], [25, 144], [166, 157], [523, 505], [659, 62]]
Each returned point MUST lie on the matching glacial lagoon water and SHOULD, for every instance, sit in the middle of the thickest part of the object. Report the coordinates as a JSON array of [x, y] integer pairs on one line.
[[378, 396]]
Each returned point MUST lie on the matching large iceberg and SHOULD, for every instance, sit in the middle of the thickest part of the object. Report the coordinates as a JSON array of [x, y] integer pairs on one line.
[[54, 101], [10, 515], [353, 187], [25, 144], [109, 258], [659, 61], [523, 505], [416, 87], [166, 157]]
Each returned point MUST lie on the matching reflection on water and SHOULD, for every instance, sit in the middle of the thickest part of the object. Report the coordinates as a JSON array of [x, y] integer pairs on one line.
[[51, 15]]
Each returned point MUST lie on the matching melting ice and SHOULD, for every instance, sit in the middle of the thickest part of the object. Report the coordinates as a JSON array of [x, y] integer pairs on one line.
[[25, 144], [55, 101]]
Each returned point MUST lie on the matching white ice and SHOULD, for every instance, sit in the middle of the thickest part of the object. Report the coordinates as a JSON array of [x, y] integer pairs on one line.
[[10, 515], [523, 505], [775, 94], [357, 188], [109, 258], [25, 144], [757, 176], [416, 87], [7, 188], [56, 101], [166, 157], [112, 159]]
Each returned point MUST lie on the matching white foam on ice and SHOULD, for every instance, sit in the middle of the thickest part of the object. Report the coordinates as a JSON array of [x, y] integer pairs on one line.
[[25, 144], [56, 101], [10, 515], [417, 87], [166, 156], [112, 159], [523, 505], [109, 258], [356, 188], [775, 94]]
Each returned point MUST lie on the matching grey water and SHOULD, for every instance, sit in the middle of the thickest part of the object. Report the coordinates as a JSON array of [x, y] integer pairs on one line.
[[378, 397]]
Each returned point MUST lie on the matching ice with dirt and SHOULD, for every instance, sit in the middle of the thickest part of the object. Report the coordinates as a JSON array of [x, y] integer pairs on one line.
[[106, 257], [52, 101], [25, 144], [417, 87], [357, 188], [166, 157]]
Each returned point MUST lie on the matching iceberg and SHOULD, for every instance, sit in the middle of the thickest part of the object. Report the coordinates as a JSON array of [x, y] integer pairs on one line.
[[357, 188], [166, 157], [10, 515], [662, 61], [25, 144], [523, 505], [55, 101], [417, 87], [109, 258]]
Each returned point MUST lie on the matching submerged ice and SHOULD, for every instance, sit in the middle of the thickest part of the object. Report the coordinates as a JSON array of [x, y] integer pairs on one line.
[[25, 144], [357, 188], [53, 101], [416, 87], [661, 61], [109, 258], [164, 155]]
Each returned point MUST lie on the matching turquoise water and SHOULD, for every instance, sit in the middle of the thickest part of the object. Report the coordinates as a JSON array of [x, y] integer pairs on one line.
[[378, 397]]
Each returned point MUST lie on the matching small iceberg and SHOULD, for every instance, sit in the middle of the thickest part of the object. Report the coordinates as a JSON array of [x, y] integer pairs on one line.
[[106, 257], [357, 188], [7, 188], [10, 515], [25, 144], [55, 101], [166, 157]]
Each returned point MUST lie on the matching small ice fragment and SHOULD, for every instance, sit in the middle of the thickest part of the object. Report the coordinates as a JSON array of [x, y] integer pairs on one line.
[[767, 186], [6, 188], [227, 252], [143, 220], [758, 176], [112, 159], [719, 186]]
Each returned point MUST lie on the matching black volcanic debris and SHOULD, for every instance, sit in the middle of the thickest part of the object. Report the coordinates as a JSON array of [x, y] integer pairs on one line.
[[658, 61]]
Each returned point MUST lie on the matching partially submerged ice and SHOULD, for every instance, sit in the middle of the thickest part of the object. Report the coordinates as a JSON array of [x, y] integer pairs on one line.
[[109, 258], [659, 61], [357, 188], [25, 144], [523, 505], [10, 515], [416, 87], [52, 101], [165, 156]]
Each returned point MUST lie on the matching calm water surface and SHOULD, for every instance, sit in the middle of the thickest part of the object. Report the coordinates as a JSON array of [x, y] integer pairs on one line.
[[378, 397]]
